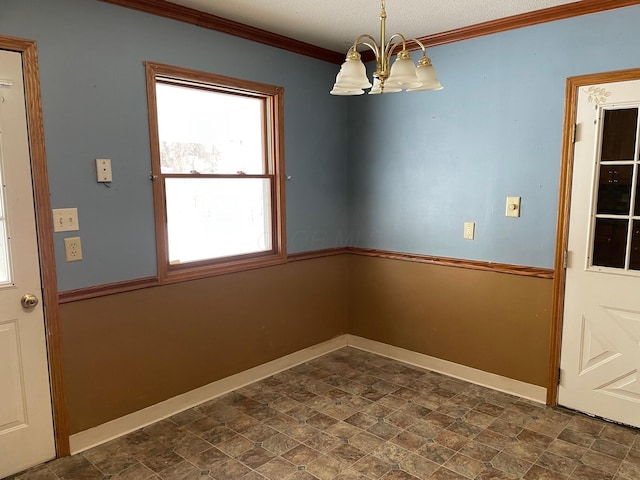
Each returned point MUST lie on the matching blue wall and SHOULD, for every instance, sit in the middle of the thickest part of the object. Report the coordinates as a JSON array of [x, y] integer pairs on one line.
[[422, 164], [419, 165], [94, 105]]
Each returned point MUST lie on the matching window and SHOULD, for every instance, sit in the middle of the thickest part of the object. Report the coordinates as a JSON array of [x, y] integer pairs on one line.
[[616, 218], [218, 167]]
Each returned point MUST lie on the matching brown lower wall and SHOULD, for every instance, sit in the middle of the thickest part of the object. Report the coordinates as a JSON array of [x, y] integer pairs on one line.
[[130, 350], [127, 351], [491, 321]]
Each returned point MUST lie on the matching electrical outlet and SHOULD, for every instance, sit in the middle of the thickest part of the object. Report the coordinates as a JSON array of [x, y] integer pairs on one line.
[[103, 170], [72, 249], [469, 230]]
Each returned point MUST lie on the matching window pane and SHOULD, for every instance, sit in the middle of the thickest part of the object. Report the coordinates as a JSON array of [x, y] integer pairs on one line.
[[610, 242], [637, 208], [634, 264], [619, 134], [220, 217], [209, 132], [614, 189]]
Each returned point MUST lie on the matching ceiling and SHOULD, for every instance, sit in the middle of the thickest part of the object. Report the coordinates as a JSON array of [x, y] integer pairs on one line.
[[334, 24]]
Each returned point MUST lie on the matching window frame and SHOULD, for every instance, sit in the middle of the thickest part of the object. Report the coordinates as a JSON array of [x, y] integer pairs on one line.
[[273, 144]]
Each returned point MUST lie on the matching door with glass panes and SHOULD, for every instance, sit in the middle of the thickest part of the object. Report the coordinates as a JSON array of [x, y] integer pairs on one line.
[[26, 425], [600, 355]]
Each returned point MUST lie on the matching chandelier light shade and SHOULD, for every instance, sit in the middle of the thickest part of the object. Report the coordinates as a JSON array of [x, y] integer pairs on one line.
[[352, 77], [402, 75], [387, 88]]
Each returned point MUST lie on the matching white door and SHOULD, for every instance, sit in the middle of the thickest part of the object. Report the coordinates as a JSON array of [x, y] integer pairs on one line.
[[26, 426], [600, 359]]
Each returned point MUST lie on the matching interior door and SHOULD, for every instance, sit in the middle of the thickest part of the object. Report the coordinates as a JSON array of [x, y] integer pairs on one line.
[[26, 427], [600, 354]]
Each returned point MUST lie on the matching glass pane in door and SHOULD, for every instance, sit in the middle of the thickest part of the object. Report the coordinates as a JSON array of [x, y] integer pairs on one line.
[[610, 242], [619, 134], [634, 263], [614, 189], [637, 207]]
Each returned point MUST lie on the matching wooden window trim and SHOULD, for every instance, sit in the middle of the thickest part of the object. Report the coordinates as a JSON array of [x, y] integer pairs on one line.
[[274, 146]]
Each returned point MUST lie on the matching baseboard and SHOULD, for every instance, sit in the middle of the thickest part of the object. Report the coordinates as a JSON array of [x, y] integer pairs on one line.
[[84, 440], [479, 377]]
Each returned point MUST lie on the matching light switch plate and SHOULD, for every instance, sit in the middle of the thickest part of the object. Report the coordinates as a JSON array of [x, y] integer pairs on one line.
[[469, 230], [513, 207], [65, 220]]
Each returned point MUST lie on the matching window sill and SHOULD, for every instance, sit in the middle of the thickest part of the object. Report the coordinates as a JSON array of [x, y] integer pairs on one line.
[[175, 274]]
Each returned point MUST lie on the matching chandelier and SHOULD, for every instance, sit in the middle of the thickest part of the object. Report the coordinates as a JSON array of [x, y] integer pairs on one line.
[[402, 75]]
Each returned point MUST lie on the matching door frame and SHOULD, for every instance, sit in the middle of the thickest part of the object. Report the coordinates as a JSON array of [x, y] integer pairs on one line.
[[562, 226], [44, 226]]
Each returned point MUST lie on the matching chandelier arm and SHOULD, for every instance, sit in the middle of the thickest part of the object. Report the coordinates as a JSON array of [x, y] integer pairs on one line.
[[424, 61], [373, 47], [420, 44], [404, 41], [391, 45], [360, 41]]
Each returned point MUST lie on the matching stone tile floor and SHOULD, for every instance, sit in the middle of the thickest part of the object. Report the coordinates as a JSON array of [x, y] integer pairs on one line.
[[352, 415]]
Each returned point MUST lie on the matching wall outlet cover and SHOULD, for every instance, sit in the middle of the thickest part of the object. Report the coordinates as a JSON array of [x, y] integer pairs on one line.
[[72, 249], [103, 170]]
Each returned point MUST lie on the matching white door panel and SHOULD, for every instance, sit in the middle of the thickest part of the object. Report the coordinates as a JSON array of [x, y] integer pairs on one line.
[[26, 427], [13, 412], [601, 323]]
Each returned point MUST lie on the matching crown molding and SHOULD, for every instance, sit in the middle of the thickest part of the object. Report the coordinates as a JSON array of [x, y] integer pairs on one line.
[[181, 13], [551, 14], [568, 10], [166, 9]]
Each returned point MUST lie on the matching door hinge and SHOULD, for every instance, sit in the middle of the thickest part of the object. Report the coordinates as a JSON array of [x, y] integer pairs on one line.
[[559, 375], [565, 260], [574, 131]]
